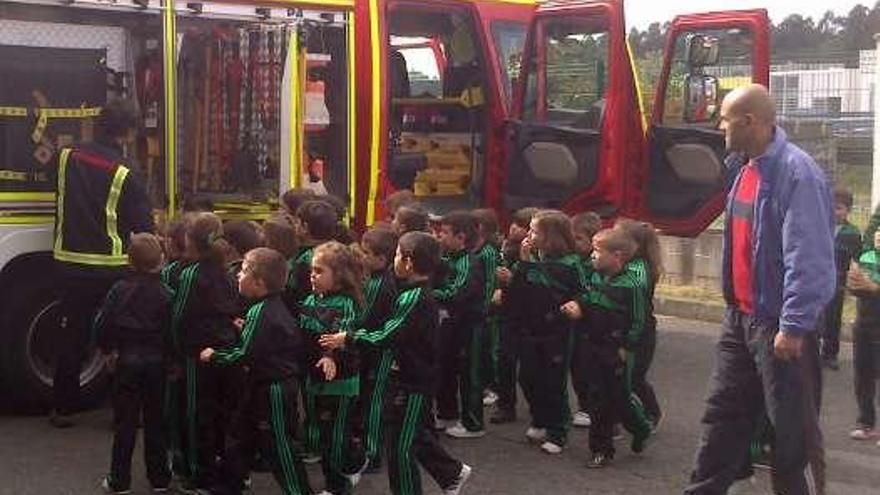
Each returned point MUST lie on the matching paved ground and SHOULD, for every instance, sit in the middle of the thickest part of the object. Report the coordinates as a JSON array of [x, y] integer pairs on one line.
[[35, 459]]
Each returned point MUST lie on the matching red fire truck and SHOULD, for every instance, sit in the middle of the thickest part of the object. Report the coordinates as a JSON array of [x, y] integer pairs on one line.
[[495, 103]]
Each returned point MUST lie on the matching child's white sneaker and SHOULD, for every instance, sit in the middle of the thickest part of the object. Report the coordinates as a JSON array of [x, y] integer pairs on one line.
[[551, 448], [581, 419], [536, 434], [459, 431]]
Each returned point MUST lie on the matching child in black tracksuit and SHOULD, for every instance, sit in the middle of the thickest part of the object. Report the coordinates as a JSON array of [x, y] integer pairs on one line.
[[411, 333], [380, 292], [133, 327], [508, 338], [544, 280], [317, 221], [646, 265], [489, 256], [272, 347], [205, 307], [461, 298], [614, 312], [584, 226], [332, 307]]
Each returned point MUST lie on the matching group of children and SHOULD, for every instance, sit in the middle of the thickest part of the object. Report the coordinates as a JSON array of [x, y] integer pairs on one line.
[[331, 349]]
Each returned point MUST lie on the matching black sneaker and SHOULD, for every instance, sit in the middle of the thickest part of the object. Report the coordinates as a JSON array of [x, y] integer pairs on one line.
[[501, 416], [455, 487], [59, 420], [374, 467], [598, 461], [640, 441], [108, 487]]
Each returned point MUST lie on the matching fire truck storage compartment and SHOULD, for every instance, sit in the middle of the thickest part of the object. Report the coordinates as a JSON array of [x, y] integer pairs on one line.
[[73, 61], [438, 120], [232, 73]]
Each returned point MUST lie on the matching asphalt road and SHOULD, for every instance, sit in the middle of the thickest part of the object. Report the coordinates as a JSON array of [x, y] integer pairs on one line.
[[38, 460]]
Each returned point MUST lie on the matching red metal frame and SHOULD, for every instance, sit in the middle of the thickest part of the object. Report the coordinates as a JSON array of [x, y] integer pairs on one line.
[[758, 23]]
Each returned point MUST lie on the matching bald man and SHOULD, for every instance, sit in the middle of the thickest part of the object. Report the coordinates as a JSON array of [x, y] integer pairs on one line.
[[778, 275]]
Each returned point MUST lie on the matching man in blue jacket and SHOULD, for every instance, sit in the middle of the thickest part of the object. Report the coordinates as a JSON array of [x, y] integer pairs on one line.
[[778, 275]]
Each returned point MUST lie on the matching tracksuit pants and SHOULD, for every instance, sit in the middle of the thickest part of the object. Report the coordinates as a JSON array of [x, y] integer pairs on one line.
[[831, 328], [212, 396], [489, 347], [613, 400], [866, 363], [330, 427], [138, 393], [749, 379], [543, 376], [262, 423], [460, 380], [508, 367], [580, 369], [410, 441], [643, 357], [375, 385]]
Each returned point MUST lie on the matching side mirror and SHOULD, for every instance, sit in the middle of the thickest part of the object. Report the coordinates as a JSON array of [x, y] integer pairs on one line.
[[702, 50], [700, 98]]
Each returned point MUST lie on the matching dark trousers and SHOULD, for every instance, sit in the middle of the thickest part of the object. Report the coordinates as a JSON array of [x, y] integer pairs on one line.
[[339, 454], [612, 399], [262, 423], [543, 375], [410, 439], [138, 390], [508, 365], [80, 299], [831, 328], [749, 379], [866, 364], [580, 369], [212, 396], [460, 375], [643, 357], [375, 385], [489, 348]]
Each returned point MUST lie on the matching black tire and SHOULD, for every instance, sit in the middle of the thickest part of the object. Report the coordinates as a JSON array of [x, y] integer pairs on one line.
[[30, 314]]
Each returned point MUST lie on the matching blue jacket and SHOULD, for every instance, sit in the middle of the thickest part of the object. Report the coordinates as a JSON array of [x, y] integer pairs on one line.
[[793, 269]]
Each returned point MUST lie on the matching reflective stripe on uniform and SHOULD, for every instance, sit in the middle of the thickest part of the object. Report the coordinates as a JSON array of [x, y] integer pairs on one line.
[[116, 257]]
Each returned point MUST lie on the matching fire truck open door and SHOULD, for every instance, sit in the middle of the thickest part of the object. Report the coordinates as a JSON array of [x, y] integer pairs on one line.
[[572, 88], [687, 170]]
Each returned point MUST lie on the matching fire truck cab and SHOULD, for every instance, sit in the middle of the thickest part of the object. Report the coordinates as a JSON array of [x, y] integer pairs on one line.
[[467, 103]]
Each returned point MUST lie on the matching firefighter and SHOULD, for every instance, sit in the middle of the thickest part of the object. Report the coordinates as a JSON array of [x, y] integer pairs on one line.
[[99, 204]]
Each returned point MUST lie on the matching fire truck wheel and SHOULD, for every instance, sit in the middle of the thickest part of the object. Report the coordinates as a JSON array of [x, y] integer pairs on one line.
[[29, 342]]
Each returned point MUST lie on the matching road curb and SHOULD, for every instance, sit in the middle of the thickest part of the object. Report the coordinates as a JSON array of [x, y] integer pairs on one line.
[[710, 312]]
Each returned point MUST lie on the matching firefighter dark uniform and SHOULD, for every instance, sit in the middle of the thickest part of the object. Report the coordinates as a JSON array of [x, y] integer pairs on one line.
[[99, 204]]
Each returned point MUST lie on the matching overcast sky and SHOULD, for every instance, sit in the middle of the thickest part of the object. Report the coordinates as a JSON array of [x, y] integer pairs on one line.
[[641, 13]]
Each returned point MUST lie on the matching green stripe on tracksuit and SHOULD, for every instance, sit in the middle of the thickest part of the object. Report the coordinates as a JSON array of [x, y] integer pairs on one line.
[[373, 418], [407, 469], [291, 482]]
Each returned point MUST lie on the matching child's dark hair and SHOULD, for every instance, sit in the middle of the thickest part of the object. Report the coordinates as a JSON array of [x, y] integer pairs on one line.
[[617, 241], [423, 250], [145, 253], [487, 225], [268, 265], [587, 223], [382, 242], [280, 236], [319, 218], [411, 218], [555, 227], [462, 222], [242, 235], [523, 217], [117, 118], [205, 231], [647, 245], [348, 267], [843, 196], [395, 200], [176, 235], [292, 199]]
